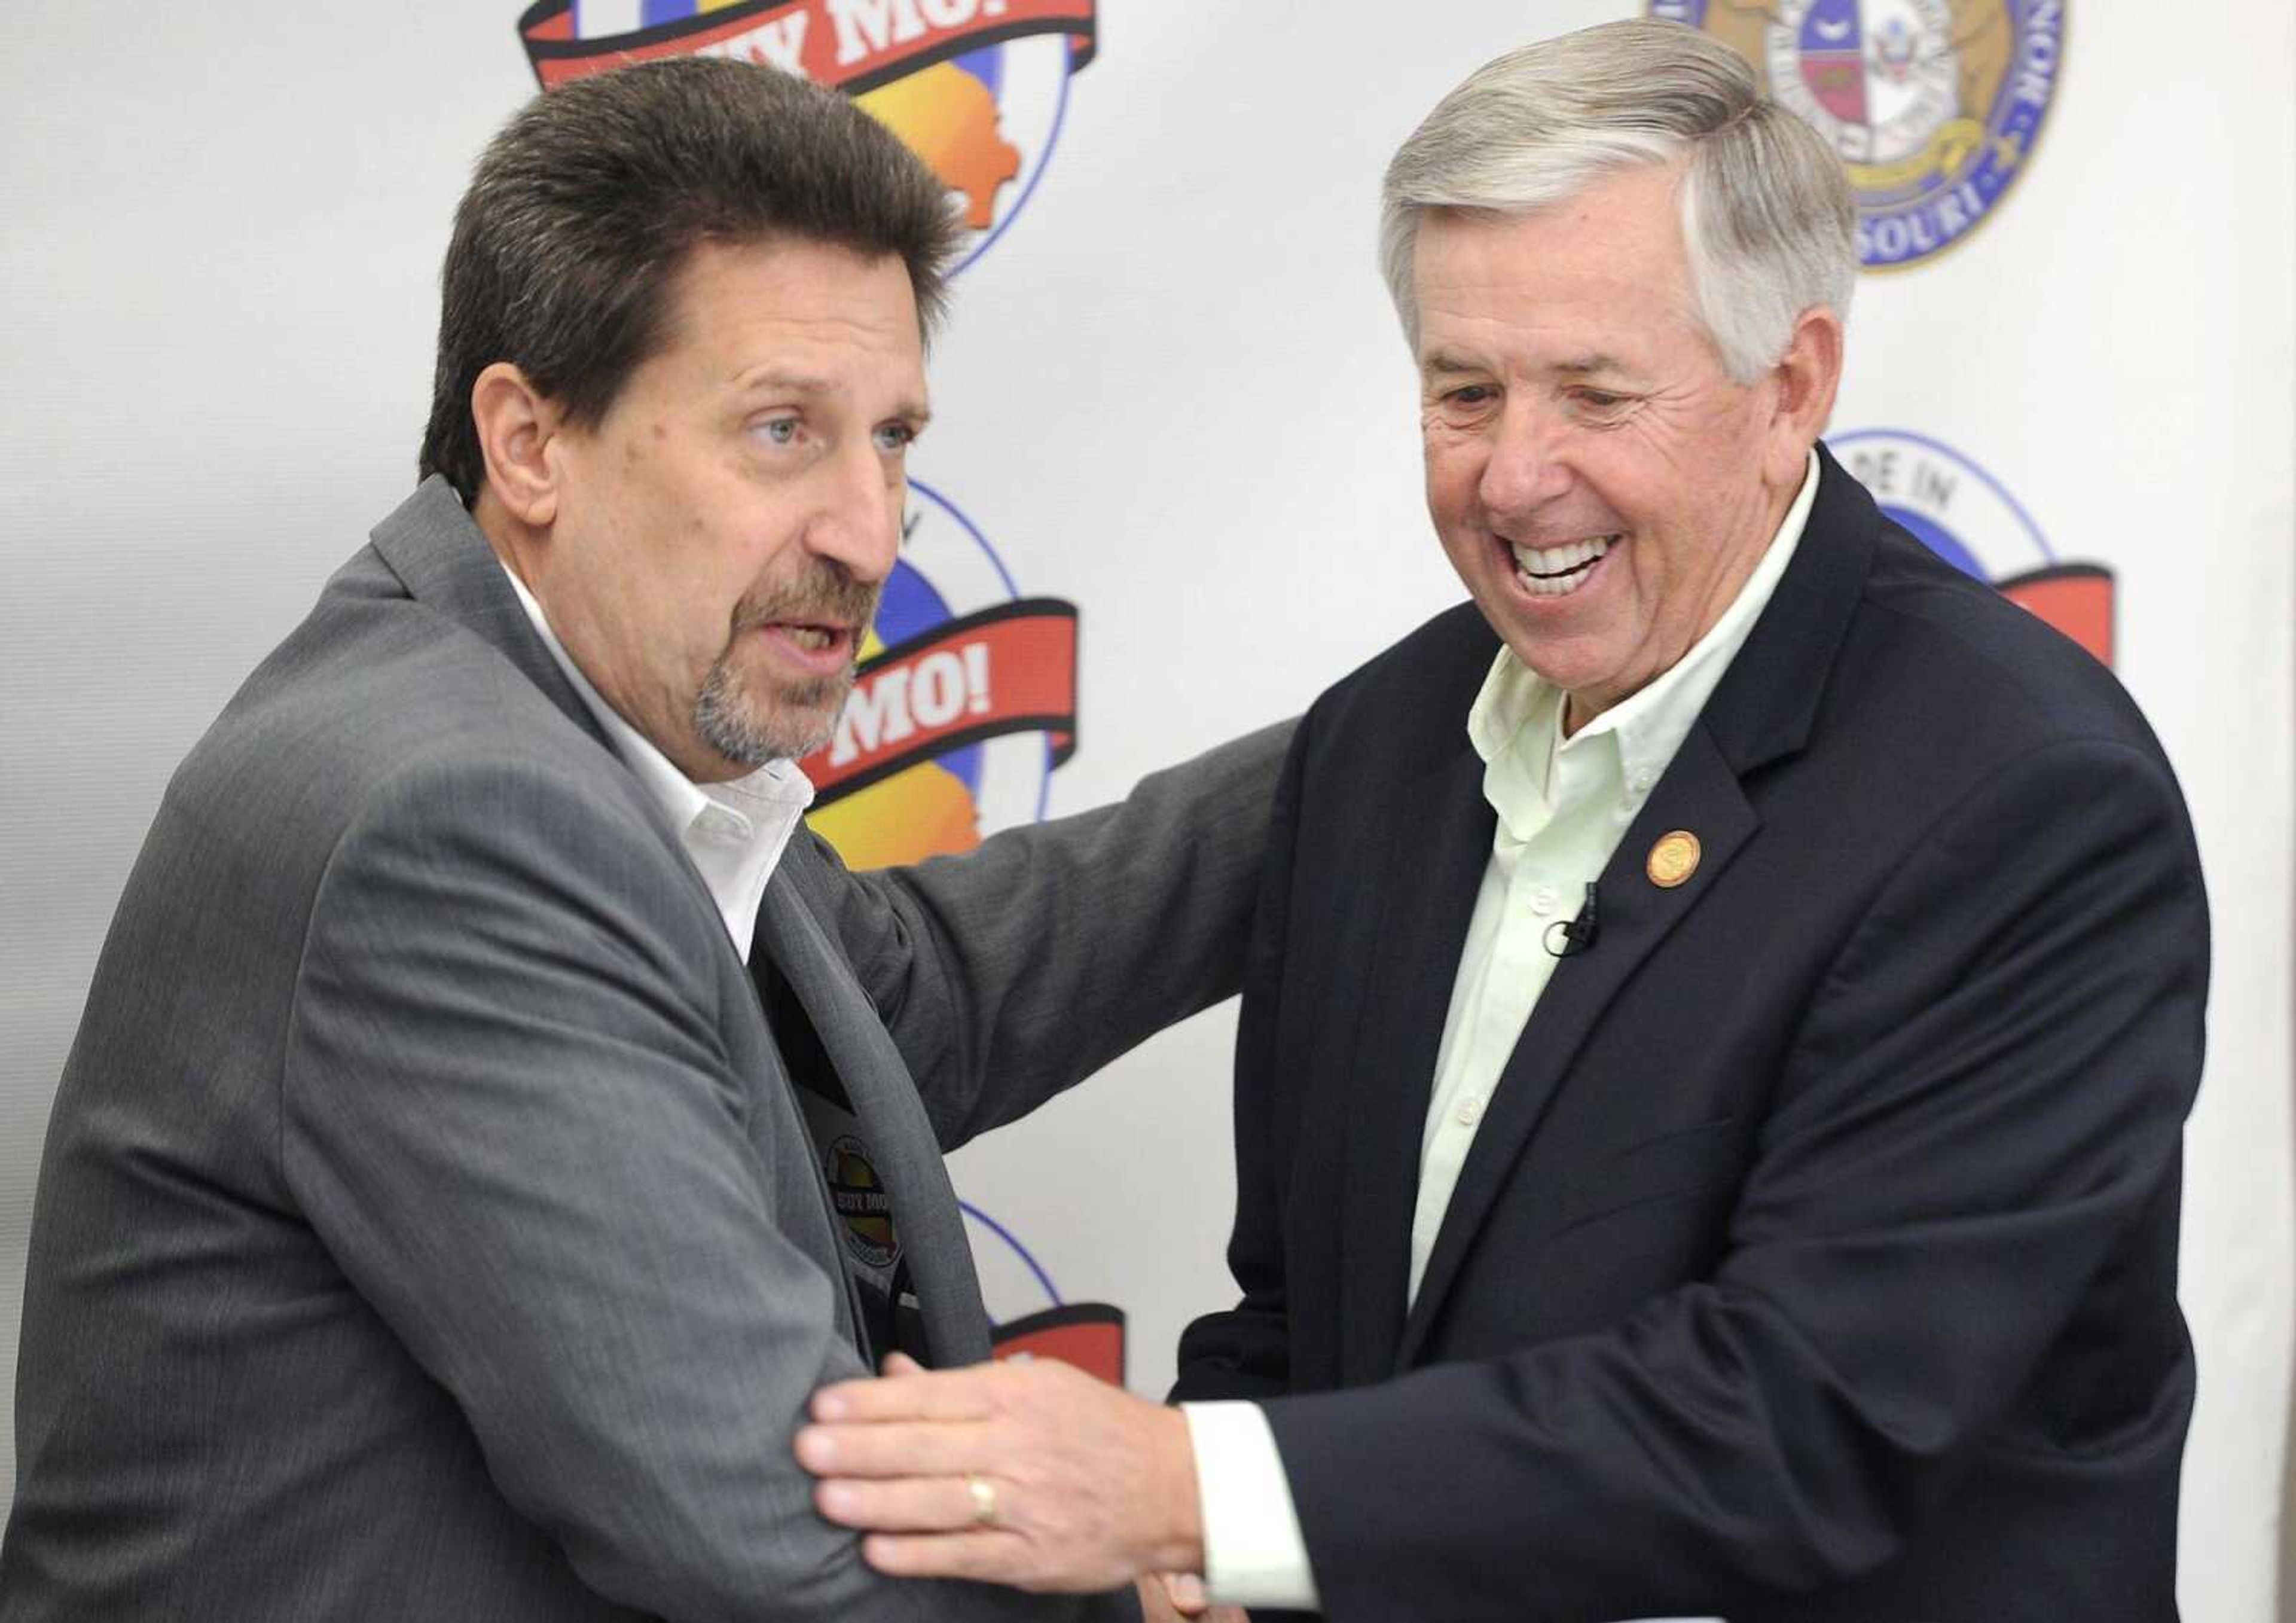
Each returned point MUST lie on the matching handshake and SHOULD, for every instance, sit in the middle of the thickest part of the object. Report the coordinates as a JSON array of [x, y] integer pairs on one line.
[[1029, 1472]]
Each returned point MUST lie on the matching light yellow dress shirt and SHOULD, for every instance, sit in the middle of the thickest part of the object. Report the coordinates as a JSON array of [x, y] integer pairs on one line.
[[1562, 805]]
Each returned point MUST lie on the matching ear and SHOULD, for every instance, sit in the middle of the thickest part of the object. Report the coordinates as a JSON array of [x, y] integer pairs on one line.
[[1807, 378], [516, 423]]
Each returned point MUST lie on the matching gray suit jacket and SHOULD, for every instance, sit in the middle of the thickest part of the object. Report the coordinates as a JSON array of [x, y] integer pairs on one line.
[[427, 1228]]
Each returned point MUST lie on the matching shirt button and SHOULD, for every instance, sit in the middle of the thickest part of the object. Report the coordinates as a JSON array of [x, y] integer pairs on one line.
[[1643, 782], [719, 826], [1471, 1110], [1543, 900]]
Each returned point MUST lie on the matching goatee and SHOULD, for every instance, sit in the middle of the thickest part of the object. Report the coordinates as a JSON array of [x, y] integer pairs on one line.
[[796, 717]]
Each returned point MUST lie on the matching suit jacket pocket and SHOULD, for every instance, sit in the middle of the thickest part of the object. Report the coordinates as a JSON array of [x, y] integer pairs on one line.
[[1680, 1163]]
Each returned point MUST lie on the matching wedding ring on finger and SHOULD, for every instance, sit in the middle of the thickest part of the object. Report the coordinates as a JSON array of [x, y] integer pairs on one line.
[[984, 1500]]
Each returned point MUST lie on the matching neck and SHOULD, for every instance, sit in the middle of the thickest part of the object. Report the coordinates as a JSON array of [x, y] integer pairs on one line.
[[520, 547], [514, 540], [1776, 501]]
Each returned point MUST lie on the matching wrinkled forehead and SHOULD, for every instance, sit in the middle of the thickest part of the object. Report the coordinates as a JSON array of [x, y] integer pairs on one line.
[[1587, 274], [803, 304], [786, 272]]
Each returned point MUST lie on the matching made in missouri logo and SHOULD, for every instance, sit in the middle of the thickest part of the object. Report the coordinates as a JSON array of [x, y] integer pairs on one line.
[[1934, 105], [965, 698], [1967, 517]]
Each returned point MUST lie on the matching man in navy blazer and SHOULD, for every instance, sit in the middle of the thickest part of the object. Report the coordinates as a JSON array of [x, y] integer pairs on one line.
[[1723, 1008]]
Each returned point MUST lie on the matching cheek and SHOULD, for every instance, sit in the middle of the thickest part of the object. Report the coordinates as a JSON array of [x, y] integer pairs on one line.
[[1650, 476], [1454, 473], [689, 631], [1723, 442]]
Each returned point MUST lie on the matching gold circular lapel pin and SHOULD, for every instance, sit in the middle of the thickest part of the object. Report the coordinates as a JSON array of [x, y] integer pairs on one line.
[[1673, 859]]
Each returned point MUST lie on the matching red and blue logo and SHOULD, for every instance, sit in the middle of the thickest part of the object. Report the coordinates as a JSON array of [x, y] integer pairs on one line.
[[965, 703], [977, 88], [1968, 518]]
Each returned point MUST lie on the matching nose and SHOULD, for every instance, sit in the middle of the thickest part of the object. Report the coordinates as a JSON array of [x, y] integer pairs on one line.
[[1527, 467], [856, 522]]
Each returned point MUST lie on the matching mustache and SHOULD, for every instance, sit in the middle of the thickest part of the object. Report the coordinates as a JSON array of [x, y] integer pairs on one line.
[[824, 593]]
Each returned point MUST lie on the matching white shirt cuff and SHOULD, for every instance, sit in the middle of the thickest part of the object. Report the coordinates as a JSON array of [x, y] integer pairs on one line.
[[1253, 1552]]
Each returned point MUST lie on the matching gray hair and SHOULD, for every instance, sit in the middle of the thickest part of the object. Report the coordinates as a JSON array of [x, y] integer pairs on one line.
[[1768, 219]]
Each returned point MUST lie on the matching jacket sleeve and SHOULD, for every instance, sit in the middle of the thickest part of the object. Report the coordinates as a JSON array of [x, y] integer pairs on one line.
[[509, 1114], [1019, 969], [1985, 1098]]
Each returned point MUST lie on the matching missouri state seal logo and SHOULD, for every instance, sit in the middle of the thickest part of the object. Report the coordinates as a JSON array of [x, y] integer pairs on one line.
[[1934, 105]]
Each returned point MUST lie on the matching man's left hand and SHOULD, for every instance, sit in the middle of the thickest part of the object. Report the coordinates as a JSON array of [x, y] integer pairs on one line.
[[1032, 1474], [1181, 1594]]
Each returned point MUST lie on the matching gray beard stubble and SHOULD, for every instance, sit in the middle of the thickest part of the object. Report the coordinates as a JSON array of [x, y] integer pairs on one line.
[[744, 728]]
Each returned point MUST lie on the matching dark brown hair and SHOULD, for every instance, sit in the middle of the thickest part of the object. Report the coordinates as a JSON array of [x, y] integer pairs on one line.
[[583, 211]]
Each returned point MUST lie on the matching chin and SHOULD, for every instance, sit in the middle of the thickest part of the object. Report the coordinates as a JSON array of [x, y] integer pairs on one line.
[[805, 739], [1552, 666], [763, 724]]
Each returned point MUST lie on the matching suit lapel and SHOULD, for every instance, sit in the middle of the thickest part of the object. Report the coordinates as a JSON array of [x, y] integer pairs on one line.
[[445, 562], [1762, 711], [1429, 897], [885, 1101], [1699, 794]]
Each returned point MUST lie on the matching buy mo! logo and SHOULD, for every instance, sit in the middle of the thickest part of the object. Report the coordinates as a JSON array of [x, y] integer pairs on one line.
[[943, 685]]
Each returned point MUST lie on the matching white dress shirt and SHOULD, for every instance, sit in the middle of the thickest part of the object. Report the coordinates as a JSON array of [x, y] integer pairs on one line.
[[734, 832], [1564, 804]]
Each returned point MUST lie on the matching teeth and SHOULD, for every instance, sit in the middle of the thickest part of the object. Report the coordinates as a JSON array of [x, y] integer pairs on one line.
[[1557, 570], [809, 637]]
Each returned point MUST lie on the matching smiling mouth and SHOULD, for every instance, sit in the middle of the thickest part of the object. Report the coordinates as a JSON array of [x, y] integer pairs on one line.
[[1557, 571]]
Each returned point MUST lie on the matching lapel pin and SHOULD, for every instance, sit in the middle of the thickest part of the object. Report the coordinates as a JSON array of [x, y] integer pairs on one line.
[[1673, 859]]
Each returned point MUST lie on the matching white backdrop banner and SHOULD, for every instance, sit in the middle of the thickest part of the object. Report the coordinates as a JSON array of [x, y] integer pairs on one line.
[[1172, 487]]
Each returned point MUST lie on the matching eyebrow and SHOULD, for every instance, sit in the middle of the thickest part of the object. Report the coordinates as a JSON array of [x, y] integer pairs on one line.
[[780, 379], [1441, 362], [774, 379]]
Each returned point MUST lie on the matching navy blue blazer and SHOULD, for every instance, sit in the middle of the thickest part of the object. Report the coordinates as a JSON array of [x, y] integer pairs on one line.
[[1816, 1256]]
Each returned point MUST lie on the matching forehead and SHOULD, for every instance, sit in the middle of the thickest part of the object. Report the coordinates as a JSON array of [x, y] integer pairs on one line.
[[736, 307], [1604, 264]]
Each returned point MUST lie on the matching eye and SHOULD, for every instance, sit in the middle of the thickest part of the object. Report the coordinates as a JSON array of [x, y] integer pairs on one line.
[[895, 438], [1463, 404], [1600, 400], [777, 430]]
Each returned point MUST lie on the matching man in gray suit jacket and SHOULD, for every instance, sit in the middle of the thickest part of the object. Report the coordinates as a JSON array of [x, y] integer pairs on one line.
[[431, 1226]]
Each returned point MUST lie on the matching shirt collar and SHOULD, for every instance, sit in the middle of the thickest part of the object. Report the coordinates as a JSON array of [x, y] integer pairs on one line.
[[1519, 715]]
